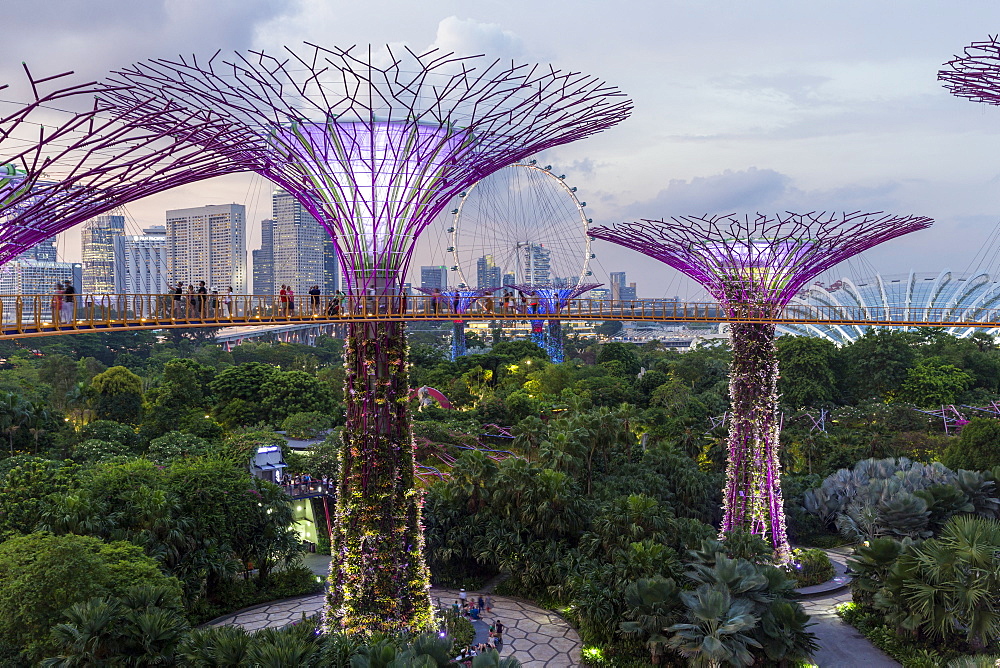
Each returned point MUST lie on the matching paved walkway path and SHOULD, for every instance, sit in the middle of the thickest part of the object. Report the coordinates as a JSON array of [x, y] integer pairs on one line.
[[841, 645], [537, 638]]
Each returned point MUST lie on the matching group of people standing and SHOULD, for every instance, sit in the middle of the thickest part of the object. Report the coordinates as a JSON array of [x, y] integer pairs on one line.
[[64, 302], [197, 302], [472, 609]]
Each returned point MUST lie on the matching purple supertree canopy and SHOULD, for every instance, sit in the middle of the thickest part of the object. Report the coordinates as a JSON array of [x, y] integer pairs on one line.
[[975, 75], [758, 259], [54, 175], [373, 151]]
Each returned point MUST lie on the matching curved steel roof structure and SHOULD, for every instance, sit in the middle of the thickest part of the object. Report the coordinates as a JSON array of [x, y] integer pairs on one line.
[[916, 296]]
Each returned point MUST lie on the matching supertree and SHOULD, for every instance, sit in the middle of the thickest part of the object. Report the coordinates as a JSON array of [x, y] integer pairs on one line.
[[374, 146], [975, 75], [753, 265], [64, 158], [551, 301], [458, 300]]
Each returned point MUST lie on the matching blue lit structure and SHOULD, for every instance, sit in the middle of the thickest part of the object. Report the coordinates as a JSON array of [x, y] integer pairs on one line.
[[459, 301], [551, 301]]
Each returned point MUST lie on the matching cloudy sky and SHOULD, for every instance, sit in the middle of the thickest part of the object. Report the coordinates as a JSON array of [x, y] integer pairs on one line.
[[769, 105]]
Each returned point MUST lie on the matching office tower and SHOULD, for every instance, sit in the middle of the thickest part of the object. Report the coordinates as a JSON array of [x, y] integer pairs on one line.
[[36, 277], [263, 260], [99, 236], [488, 274], [45, 251], [141, 262], [298, 244], [627, 292], [509, 279], [331, 267], [208, 243], [434, 277], [616, 283], [535, 261]]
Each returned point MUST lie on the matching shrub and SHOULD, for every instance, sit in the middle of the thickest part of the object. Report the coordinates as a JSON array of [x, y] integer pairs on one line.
[[977, 448], [459, 628], [41, 575], [94, 450], [109, 430], [811, 567], [307, 425], [176, 444]]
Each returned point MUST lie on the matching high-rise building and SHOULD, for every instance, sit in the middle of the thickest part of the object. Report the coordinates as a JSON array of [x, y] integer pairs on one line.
[[628, 292], [36, 277], [509, 279], [99, 236], [298, 244], [434, 277], [535, 263], [331, 267], [44, 251], [208, 243], [488, 274], [141, 262], [263, 260], [617, 281]]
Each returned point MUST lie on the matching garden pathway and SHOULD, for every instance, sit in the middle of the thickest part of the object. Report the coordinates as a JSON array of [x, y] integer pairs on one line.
[[536, 637], [841, 645]]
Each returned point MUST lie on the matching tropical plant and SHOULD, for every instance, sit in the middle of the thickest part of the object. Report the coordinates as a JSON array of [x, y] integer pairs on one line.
[[653, 604], [718, 629]]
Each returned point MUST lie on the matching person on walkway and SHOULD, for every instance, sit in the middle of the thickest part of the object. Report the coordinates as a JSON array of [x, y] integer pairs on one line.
[[291, 301], [488, 303], [481, 602], [283, 300], [227, 302], [462, 596], [57, 302], [178, 293], [489, 603], [497, 630], [202, 298], [314, 299], [69, 302]]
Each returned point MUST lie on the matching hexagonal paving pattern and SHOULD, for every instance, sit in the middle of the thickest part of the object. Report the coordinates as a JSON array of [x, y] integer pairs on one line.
[[538, 638]]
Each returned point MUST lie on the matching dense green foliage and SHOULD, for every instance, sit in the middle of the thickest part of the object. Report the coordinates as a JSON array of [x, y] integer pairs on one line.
[[601, 512]]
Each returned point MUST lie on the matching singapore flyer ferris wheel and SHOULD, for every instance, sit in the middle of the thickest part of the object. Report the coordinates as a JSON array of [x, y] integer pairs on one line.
[[522, 225]]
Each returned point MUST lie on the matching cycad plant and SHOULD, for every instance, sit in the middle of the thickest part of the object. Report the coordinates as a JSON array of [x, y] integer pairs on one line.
[[718, 630], [948, 587]]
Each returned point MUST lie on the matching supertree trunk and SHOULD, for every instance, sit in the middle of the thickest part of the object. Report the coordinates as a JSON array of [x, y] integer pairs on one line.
[[753, 477], [538, 333], [378, 577], [554, 344], [457, 340]]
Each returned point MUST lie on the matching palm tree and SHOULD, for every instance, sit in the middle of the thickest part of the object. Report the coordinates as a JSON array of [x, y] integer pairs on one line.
[[717, 630], [653, 605]]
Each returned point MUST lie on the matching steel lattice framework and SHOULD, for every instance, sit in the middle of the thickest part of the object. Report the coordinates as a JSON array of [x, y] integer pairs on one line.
[[975, 75], [552, 300], [753, 265], [374, 147], [374, 152], [458, 301], [54, 175]]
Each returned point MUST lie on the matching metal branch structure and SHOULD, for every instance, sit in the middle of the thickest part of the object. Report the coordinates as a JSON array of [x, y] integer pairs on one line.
[[753, 265], [374, 146], [552, 300], [975, 75], [458, 301], [54, 175]]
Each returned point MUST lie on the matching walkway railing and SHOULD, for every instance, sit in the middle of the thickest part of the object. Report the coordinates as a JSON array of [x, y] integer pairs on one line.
[[40, 315]]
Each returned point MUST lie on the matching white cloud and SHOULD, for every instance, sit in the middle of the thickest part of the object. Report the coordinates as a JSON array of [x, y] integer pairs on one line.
[[470, 37]]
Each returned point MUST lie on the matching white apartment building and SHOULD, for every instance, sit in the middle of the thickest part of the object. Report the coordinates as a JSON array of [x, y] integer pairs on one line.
[[208, 243], [141, 262]]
